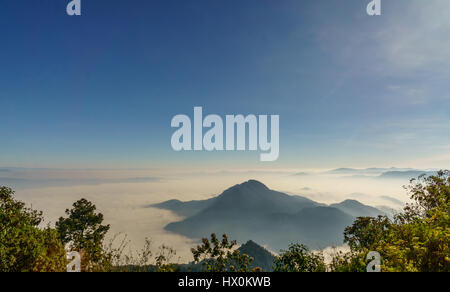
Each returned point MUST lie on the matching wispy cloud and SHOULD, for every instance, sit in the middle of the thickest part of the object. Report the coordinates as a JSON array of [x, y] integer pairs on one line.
[[414, 40]]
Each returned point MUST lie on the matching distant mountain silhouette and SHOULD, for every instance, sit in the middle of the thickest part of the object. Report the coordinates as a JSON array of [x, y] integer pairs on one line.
[[381, 173], [185, 209], [262, 258], [366, 171], [274, 219], [301, 174], [345, 170], [406, 174], [393, 201], [356, 209]]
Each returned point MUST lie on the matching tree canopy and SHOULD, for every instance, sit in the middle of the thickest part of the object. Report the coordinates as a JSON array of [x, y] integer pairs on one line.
[[299, 259], [416, 240], [83, 231], [222, 256], [24, 246]]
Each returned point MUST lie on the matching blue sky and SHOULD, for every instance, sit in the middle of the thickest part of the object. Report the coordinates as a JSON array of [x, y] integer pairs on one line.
[[100, 90]]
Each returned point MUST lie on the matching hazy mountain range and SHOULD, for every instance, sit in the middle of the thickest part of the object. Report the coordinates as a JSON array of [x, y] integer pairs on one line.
[[384, 173], [252, 211], [20, 178]]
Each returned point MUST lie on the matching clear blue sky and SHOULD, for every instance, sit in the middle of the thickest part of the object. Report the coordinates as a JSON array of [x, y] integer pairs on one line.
[[100, 90]]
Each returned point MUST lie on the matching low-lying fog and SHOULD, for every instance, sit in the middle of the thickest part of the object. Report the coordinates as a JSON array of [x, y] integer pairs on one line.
[[122, 195]]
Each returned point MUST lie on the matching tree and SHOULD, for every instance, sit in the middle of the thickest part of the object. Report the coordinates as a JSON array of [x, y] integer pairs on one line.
[[23, 246], [367, 231], [430, 194], [416, 240], [83, 231], [299, 259], [163, 259], [221, 256], [350, 262]]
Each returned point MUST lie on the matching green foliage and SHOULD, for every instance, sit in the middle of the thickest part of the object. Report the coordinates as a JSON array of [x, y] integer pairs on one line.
[[350, 262], [416, 240], [52, 255], [367, 231], [299, 259], [221, 256], [26, 248], [163, 259], [23, 246], [119, 260], [431, 195], [83, 231]]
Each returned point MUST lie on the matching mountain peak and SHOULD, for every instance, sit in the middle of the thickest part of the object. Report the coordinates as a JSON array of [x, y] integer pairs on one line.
[[351, 202], [250, 243], [253, 184], [249, 190], [262, 257], [252, 210], [357, 209]]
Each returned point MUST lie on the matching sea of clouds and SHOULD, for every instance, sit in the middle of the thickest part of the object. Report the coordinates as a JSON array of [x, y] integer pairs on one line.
[[123, 196]]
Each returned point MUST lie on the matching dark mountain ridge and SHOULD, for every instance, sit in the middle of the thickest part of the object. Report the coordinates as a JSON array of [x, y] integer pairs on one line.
[[274, 219], [262, 258]]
